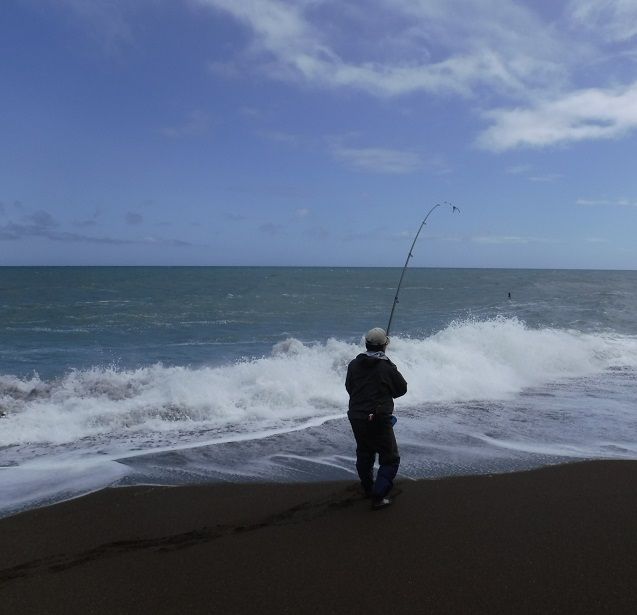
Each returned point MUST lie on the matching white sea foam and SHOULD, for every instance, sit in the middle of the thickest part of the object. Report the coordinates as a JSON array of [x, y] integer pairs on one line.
[[497, 358], [22, 487], [154, 406]]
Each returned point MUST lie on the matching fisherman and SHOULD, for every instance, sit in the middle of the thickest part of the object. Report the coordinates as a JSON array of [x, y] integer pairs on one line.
[[373, 382]]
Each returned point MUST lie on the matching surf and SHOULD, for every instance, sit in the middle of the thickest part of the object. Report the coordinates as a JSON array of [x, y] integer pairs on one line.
[[492, 359]]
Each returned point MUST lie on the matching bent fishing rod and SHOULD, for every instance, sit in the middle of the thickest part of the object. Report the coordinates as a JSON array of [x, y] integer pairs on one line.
[[402, 275]]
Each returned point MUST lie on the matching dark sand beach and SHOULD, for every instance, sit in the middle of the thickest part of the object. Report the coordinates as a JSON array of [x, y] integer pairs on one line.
[[560, 539]]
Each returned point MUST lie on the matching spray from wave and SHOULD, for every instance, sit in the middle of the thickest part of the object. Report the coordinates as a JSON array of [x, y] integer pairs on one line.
[[158, 405]]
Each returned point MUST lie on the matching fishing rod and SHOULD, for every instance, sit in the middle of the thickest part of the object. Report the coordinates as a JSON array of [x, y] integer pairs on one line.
[[402, 275]]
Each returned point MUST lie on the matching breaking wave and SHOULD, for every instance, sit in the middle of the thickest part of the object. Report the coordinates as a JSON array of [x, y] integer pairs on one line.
[[157, 405]]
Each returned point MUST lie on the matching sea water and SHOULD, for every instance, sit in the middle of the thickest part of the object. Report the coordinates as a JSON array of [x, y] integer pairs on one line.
[[125, 375]]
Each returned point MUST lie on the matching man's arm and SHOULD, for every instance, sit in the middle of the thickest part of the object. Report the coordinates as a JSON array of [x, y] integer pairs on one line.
[[395, 381], [348, 379]]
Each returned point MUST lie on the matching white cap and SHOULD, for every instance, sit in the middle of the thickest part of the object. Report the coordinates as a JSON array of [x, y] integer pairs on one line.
[[376, 337]]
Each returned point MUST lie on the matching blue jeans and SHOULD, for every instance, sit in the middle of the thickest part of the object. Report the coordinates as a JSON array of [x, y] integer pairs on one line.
[[372, 438]]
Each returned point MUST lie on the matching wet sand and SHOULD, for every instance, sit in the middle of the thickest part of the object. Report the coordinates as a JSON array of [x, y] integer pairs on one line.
[[561, 539]]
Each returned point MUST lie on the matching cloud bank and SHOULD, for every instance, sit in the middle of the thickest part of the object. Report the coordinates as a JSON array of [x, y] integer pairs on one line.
[[520, 67], [577, 116], [425, 48], [42, 224], [538, 76]]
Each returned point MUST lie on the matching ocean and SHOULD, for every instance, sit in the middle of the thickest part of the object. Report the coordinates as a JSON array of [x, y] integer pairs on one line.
[[174, 375]]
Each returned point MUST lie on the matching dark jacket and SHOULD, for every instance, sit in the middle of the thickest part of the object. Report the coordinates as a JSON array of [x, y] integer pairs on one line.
[[373, 382]]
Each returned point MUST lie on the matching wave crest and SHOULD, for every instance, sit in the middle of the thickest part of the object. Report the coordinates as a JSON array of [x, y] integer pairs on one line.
[[468, 360]]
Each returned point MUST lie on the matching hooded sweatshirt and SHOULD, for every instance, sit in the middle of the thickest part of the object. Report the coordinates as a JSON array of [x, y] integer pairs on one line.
[[373, 382]]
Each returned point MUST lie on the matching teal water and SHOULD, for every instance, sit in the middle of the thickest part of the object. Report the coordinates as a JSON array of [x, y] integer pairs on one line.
[[56, 318]]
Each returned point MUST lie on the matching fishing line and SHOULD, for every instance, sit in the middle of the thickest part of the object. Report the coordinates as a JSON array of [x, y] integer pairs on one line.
[[410, 254]]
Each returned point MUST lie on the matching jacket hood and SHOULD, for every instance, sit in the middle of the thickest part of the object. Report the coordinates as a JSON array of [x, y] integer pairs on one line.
[[372, 357]]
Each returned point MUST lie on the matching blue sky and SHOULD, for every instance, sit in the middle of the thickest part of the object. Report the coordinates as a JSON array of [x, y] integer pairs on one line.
[[318, 132]]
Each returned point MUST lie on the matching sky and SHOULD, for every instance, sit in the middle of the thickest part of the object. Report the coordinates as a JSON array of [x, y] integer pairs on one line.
[[318, 132]]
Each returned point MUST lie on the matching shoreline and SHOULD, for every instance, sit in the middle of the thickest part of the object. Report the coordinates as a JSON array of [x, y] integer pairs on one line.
[[340, 476], [556, 539]]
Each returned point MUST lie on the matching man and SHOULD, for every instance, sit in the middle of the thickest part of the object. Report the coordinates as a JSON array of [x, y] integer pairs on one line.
[[373, 382]]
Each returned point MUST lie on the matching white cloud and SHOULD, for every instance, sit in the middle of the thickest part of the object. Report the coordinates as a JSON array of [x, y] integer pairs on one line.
[[507, 239], [425, 46], [577, 116], [499, 239], [546, 177], [106, 21], [279, 136], [527, 170], [614, 20], [196, 124], [519, 169], [607, 202], [497, 47], [379, 160], [251, 112], [227, 70], [468, 48]]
